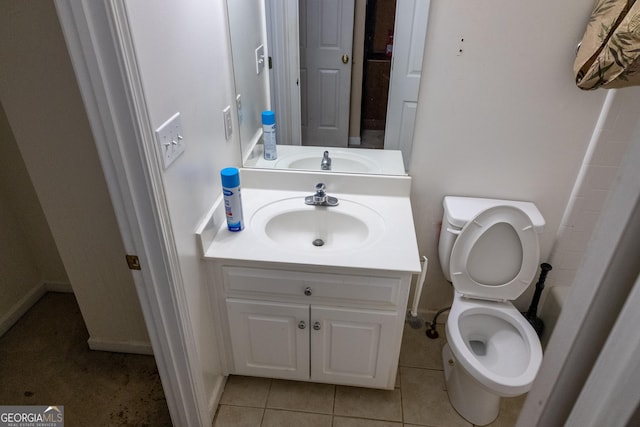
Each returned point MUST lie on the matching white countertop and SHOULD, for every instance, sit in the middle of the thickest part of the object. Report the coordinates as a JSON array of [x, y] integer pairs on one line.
[[393, 247]]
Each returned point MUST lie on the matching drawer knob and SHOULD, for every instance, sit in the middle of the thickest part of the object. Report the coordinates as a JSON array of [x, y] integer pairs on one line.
[[316, 326], [307, 291], [302, 324]]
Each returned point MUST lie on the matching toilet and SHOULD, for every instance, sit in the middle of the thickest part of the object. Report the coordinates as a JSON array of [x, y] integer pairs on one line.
[[489, 251]]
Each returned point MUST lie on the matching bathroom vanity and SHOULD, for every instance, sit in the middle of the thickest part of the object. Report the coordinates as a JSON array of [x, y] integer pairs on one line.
[[292, 308]]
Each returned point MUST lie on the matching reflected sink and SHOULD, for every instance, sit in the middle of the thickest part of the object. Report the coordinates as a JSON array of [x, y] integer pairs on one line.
[[291, 225], [340, 162], [309, 158]]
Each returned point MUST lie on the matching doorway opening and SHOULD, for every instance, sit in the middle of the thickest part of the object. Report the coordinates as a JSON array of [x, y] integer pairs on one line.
[[376, 71]]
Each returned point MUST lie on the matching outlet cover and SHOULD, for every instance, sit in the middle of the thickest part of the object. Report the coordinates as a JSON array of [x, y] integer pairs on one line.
[[239, 108], [170, 140], [228, 125], [260, 59]]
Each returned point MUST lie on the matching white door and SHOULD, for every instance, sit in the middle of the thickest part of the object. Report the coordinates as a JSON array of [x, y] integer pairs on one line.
[[269, 339], [326, 38], [354, 347], [406, 67]]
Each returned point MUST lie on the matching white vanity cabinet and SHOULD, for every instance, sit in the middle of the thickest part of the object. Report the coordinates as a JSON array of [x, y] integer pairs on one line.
[[331, 325]]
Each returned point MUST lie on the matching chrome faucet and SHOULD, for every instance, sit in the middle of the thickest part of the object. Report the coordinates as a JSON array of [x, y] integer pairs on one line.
[[321, 198], [325, 164]]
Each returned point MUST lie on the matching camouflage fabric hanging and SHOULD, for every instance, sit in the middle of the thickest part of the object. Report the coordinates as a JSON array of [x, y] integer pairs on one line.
[[609, 54]]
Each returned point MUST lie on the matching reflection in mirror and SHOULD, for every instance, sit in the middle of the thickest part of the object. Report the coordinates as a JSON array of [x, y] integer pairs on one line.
[[311, 51], [247, 34]]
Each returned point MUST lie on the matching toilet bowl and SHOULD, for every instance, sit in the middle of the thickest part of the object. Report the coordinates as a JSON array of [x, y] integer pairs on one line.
[[489, 249]]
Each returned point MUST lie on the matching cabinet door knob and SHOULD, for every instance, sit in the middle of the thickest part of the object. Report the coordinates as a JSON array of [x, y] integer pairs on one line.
[[302, 324], [316, 326], [307, 291]]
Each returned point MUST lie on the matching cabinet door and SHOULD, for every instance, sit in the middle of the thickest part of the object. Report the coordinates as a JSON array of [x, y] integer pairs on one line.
[[354, 347], [269, 339]]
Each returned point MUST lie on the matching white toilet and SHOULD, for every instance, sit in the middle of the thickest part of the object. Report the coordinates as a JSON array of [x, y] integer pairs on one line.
[[489, 251]]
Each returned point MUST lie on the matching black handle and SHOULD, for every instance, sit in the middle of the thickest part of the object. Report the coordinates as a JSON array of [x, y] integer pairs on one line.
[[533, 308]]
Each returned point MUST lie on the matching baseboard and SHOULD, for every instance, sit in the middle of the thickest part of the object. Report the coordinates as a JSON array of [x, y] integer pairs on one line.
[[354, 140], [63, 287], [136, 347], [216, 395], [21, 307]]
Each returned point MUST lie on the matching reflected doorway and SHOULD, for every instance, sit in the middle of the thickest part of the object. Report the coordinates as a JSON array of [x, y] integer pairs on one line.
[[376, 73]]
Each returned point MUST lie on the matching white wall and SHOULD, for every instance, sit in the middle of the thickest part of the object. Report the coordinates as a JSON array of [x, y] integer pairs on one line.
[[27, 249], [19, 274], [183, 68], [22, 198], [611, 139], [45, 112], [503, 119]]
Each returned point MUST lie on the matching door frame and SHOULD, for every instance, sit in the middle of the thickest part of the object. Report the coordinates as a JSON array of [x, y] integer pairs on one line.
[[99, 44]]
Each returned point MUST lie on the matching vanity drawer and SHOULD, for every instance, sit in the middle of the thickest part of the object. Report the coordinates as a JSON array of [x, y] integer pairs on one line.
[[370, 289]]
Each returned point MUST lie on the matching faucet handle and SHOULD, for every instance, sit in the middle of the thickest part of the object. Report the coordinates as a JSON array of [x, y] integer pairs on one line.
[[320, 187]]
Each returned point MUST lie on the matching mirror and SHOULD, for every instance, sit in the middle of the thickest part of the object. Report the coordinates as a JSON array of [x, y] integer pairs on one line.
[[286, 87]]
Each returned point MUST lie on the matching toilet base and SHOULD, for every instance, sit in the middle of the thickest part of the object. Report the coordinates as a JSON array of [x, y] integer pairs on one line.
[[472, 401]]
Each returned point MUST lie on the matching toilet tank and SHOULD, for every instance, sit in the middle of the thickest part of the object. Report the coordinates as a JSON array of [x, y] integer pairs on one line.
[[460, 210]]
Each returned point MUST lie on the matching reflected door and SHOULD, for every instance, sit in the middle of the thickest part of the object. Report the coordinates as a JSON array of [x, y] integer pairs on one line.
[[409, 38], [326, 38]]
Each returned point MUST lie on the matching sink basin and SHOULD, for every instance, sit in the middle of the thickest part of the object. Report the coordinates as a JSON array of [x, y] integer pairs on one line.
[[291, 225]]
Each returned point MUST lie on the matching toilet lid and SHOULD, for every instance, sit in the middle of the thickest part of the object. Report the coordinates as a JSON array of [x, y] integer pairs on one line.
[[496, 255]]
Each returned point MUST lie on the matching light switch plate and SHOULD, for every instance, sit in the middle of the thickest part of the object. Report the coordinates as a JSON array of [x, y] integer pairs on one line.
[[260, 59], [170, 140]]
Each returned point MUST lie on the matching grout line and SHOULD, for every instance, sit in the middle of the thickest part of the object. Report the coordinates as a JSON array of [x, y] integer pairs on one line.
[[401, 400], [335, 391], [266, 401]]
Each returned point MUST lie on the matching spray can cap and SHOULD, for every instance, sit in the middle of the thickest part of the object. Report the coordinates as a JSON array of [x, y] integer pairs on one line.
[[268, 117], [230, 177]]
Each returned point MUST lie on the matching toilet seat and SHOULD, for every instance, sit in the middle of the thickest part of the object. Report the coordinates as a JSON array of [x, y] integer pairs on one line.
[[469, 236]]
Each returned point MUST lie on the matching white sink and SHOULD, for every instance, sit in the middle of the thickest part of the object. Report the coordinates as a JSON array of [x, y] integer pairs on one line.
[[352, 160], [293, 226], [341, 161], [371, 227]]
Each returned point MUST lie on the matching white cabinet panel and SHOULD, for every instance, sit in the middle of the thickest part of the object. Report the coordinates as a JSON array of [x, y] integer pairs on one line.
[[269, 339], [353, 346], [249, 281], [337, 326]]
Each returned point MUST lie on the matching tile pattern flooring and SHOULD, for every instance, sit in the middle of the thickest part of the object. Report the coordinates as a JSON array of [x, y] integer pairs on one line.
[[419, 398]]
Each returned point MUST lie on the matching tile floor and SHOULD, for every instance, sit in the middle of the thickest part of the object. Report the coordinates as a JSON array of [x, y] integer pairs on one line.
[[419, 398]]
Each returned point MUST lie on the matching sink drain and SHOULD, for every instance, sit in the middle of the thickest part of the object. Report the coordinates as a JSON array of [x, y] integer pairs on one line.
[[318, 242]]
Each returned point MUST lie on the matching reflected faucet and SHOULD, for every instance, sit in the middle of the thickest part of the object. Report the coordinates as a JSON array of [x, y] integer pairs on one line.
[[321, 198], [325, 164]]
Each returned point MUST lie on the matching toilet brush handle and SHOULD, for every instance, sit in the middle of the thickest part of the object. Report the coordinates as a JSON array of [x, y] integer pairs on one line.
[[533, 308], [545, 268]]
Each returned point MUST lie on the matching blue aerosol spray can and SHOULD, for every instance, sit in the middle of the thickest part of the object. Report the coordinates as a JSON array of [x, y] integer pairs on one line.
[[232, 201]]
